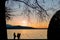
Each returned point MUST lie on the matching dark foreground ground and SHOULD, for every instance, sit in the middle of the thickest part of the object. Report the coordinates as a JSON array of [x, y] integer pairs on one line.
[[28, 39]]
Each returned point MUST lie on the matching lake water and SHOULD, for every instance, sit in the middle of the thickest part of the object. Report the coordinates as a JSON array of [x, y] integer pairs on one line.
[[28, 33]]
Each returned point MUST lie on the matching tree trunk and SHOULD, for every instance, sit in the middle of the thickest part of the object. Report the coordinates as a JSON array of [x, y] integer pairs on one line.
[[3, 30]]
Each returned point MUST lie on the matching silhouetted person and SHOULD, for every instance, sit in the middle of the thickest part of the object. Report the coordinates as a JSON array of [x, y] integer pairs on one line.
[[14, 36], [54, 27], [18, 36]]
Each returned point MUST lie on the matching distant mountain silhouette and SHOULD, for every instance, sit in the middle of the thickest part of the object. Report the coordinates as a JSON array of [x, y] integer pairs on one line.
[[17, 27]]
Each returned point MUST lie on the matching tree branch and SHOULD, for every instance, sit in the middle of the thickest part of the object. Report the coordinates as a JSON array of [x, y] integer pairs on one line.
[[34, 7], [41, 8]]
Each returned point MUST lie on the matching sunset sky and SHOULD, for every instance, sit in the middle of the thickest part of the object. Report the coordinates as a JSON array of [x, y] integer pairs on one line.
[[31, 19]]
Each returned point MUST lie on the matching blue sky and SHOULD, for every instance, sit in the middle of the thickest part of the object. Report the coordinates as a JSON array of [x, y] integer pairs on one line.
[[47, 4]]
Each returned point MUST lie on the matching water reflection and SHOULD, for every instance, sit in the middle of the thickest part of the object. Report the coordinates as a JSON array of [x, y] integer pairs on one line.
[[28, 34]]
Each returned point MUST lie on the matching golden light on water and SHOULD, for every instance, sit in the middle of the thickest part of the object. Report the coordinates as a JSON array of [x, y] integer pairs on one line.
[[28, 34]]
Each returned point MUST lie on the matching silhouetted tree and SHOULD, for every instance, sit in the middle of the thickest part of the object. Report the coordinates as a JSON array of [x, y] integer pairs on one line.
[[3, 30], [54, 27], [3, 16]]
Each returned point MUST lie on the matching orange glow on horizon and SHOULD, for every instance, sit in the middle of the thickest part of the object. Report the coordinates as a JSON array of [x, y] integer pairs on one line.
[[43, 24]]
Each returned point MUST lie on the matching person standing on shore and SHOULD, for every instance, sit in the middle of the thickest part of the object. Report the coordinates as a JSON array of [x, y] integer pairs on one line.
[[14, 35], [18, 36]]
